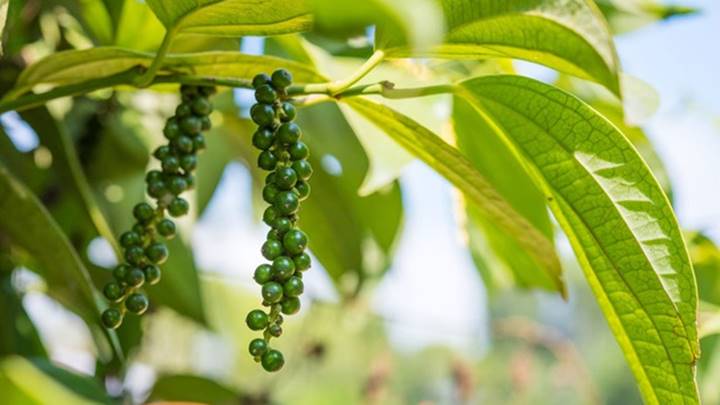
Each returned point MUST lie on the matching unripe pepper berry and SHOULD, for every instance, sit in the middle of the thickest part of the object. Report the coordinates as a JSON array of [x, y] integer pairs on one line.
[[272, 360], [256, 319]]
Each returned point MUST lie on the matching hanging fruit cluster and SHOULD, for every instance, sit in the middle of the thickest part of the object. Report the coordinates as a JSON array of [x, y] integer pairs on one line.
[[143, 248], [284, 155]]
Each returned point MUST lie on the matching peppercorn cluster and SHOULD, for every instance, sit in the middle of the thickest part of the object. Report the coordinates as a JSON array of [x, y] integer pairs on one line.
[[142, 246], [285, 157]]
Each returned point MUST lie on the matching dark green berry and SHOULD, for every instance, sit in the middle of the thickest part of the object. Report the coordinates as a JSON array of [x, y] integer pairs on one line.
[[178, 207], [201, 106], [157, 189], [288, 112], [152, 274], [153, 175], [190, 180], [262, 114], [183, 143], [267, 160], [290, 305], [162, 152], [282, 225], [271, 249], [257, 347], [191, 125], [188, 163], [272, 292], [121, 271], [135, 277], [269, 193], [302, 261], [263, 139], [295, 241], [289, 133], [263, 274], [166, 228], [303, 168], [281, 78], [205, 123], [177, 185], [113, 292], [172, 129], [283, 268], [285, 178], [272, 360], [273, 234], [137, 303], [275, 330], [286, 202], [270, 215], [130, 238], [170, 164], [293, 287], [135, 255], [298, 151], [302, 189], [260, 79], [256, 319], [157, 252], [111, 318], [265, 94], [199, 143], [183, 110]]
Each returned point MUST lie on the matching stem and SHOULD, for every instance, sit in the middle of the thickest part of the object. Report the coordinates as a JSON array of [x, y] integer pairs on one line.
[[147, 78], [338, 86]]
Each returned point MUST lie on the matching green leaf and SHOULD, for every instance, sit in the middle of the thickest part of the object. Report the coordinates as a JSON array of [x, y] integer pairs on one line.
[[496, 162], [96, 18], [190, 388], [457, 169], [3, 18], [20, 337], [617, 218], [568, 35], [20, 379], [232, 17], [630, 15], [137, 27]]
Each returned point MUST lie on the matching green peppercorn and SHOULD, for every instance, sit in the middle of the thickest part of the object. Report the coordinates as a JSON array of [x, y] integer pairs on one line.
[[183, 143], [199, 143], [152, 274], [121, 271], [135, 277], [263, 139], [256, 319], [265, 94], [263, 274], [272, 360], [303, 168], [288, 133], [113, 292], [178, 207], [130, 238], [171, 164], [257, 347], [298, 151], [157, 252], [271, 249], [302, 189], [153, 175], [302, 261], [275, 330], [137, 303], [172, 129], [143, 212], [267, 160], [285, 178], [270, 215], [272, 292], [282, 225], [205, 123], [157, 189], [295, 241], [286, 202], [201, 106], [191, 125], [283, 268], [260, 79], [288, 112], [281, 78], [274, 234], [290, 305], [162, 152], [269, 193], [111, 318], [183, 110], [190, 180], [177, 185], [166, 228], [262, 114], [135, 255], [293, 287]]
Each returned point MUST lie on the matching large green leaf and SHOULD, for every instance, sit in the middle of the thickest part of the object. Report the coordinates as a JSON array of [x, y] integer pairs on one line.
[[510, 263], [568, 35], [136, 26], [617, 218], [190, 388], [457, 169], [629, 15], [233, 17]]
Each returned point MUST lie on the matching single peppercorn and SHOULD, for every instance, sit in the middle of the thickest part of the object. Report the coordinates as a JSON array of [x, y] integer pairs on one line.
[[271, 249], [286, 202], [263, 274], [166, 228], [298, 151], [267, 160], [293, 287], [170, 164], [201, 106], [137, 303], [178, 207], [184, 144], [162, 152], [281, 78], [256, 319], [269, 193], [191, 125], [130, 238], [275, 330], [263, 139], [285, 178], [290, 305], [177, 185], [134, 255], [262, 114], [265, 94], [257, 347], [143, 212], [302, 189], [289, 133], [295, 241], [135, 278], [302, 261], [303, 169], [113, 292], [260, 79], [152, 274], [111, 318], [288, 112], [172, 129], [272, 292], [121, 271], [272, 360], [157, 252]]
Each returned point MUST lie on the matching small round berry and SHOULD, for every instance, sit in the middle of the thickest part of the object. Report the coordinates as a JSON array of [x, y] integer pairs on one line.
[[263, 139], [289, 133], [188, 162], [178, 207], [271, 249], [162, 152], [285, 178], [272, 360], [263, 274], [183, 110], [199, 143], [286, 202], [190, 180], [298, 151], [143, 212], [135, 255], [121, 272], [302, 261], [257, 347], [302, 189], [293, 287], [152, 274], [288, 112], [205, 123], [170, 164], [153, 175], [282, 225], [256, 319], [157, 189], [295, 241], [111, 318], [265, 94], [177, 185], [183, 143], [137, 303], [135, 277], [140, 229], [172, 129], [281, 78], [260, 79], [290, 305], [270, 215], [166, 228], [269, 193], [275, 330], [191, 125], [283, 268], [157, 252], [262, 114], [267, 160], [130, 238], [113, 292], [273, 234], [303, 168], [272, 292], [201, 106]]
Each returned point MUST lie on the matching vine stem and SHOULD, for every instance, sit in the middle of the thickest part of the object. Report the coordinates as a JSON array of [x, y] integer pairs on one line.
[[336, 87], [146, 78]]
